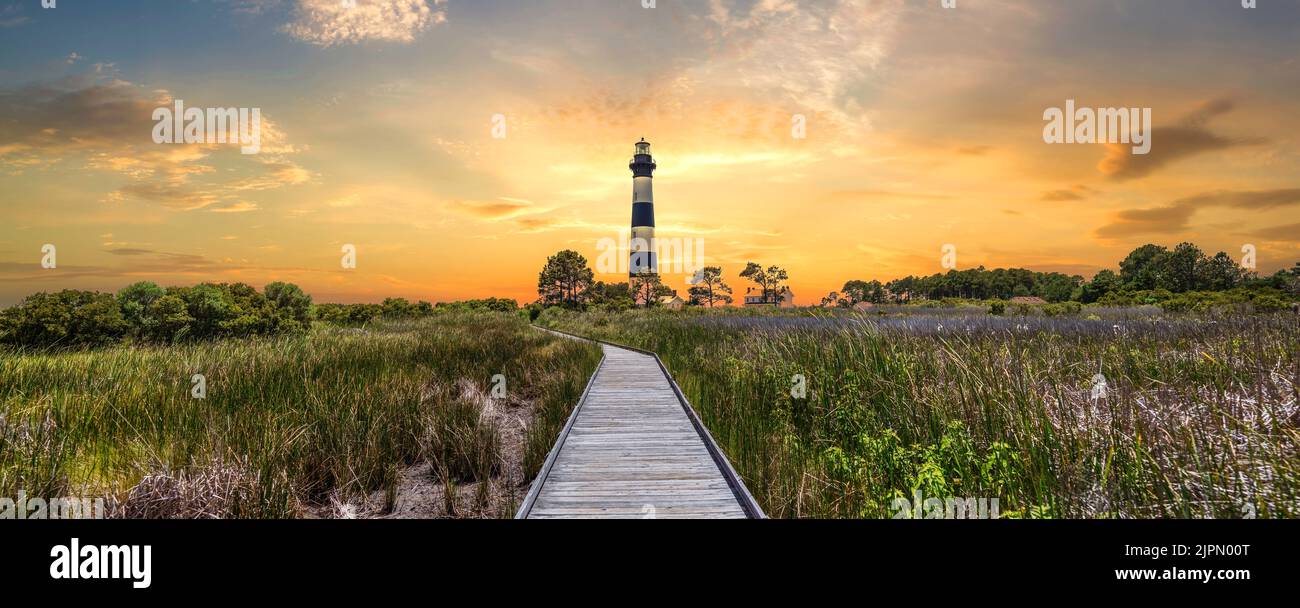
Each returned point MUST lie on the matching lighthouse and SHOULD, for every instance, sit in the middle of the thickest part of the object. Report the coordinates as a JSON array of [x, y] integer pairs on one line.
[[641, 256]]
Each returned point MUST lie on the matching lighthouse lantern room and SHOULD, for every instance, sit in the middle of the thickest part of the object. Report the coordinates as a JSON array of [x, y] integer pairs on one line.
[[642, 260]]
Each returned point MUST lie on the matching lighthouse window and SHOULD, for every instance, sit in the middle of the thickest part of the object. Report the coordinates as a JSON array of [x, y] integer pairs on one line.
[[643, 148]]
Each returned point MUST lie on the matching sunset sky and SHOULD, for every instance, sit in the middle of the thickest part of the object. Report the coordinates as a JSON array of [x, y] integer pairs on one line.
[[924, 127]]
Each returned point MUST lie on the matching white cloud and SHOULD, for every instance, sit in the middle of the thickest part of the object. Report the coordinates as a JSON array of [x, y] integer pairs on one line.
[[810, 54], [330, 22], [11, 16]]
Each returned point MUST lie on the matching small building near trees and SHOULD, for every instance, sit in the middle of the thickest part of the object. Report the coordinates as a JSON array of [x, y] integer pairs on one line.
[[783, 298]]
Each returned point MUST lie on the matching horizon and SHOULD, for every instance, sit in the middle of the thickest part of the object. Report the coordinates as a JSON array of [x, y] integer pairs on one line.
[[738, 282], [922, 127]]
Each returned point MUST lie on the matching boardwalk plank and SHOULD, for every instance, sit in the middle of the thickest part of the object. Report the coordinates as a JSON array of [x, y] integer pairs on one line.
[[631, 451]]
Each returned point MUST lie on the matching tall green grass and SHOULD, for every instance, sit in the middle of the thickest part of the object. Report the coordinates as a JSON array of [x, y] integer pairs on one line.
[[290, 421], [1200, 415]]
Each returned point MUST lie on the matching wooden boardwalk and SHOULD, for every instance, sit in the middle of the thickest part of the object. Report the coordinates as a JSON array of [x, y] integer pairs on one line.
[[633, 448]]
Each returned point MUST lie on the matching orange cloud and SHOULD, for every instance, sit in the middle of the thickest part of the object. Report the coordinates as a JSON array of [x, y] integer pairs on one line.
[[1172, 143], [492, 210], [1175, 217]]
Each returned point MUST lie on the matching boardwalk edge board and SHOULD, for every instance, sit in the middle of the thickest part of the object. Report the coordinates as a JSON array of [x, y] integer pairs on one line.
[[536, 488], [734, 482]]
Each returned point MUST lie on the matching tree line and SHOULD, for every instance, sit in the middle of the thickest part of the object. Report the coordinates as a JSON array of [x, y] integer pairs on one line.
[[1183, 276], [401, 308], [567, 281], [1150, 271], [144, 312]]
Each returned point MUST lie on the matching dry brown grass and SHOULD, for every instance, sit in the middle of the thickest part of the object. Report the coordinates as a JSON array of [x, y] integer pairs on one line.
[[216, 491]]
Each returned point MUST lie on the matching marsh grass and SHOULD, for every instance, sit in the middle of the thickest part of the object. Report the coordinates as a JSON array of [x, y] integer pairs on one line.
[[1199, 418], [460, 444], [287, 423]]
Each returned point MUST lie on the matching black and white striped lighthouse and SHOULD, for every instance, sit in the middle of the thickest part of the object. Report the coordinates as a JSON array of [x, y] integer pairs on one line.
[[641, 261]]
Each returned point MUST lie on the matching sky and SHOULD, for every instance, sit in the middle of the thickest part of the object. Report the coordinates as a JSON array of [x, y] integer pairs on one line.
[[457, 143]]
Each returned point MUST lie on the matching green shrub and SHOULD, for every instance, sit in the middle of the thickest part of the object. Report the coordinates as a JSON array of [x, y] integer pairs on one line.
[[134, 300], [1062, 308], [167, 319], [292, 306], [146, 312], [68, 318]]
